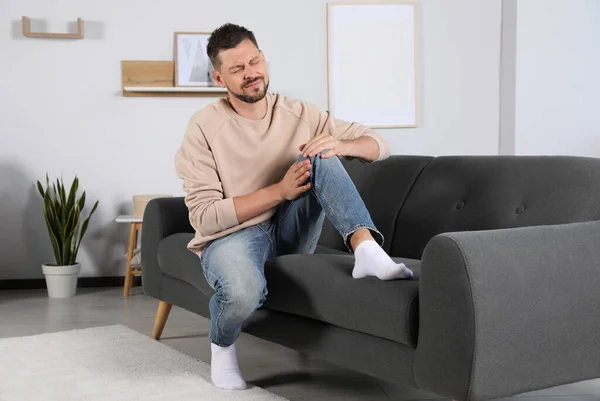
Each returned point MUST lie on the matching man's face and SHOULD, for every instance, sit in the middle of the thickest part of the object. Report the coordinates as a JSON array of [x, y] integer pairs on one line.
[[243, 72]]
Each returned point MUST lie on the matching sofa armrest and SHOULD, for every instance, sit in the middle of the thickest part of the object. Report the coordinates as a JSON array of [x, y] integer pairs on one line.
[[162, 217], [504, 312]]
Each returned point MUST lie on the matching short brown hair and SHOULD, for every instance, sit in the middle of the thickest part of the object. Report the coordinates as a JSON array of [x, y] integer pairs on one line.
[[226, 37]]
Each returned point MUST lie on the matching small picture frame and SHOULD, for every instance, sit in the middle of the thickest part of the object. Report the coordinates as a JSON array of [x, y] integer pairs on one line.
[[192, 65]]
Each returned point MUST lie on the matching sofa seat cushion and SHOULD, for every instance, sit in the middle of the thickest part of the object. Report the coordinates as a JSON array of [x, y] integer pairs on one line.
[[174, 259], [322, 249], [321, 287]]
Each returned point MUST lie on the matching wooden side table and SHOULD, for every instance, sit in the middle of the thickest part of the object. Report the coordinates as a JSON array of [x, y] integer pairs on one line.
[[131, 269]]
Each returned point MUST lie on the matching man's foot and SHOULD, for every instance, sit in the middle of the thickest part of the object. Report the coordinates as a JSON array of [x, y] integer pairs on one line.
[[371, 260], [224, 370]]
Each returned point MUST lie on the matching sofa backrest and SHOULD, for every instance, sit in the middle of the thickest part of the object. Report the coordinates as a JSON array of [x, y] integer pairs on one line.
[[383, 187], [413, 198], [467, 193]]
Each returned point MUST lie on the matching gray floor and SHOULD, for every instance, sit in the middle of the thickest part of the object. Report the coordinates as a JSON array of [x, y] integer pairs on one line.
[[273, 367]]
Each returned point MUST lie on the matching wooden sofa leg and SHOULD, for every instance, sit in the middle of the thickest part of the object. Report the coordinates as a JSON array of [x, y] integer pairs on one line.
[[161, 318]]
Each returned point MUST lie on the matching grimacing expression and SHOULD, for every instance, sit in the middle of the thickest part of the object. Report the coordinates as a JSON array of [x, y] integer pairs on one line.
[[244, 72]]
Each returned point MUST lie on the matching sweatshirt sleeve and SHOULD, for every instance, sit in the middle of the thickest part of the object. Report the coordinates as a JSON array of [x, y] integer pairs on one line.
[[209, 211], [322, 121]]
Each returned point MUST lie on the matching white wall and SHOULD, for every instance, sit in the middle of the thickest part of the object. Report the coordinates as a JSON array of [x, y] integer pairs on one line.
[[508, 77], [558, 81], [459, 80], [62, 111]]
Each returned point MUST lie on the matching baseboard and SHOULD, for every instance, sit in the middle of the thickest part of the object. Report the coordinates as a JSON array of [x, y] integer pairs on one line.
[[40, 283]]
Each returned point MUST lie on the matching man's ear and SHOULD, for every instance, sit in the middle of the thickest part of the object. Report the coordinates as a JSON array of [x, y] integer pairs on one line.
[[217, 78]]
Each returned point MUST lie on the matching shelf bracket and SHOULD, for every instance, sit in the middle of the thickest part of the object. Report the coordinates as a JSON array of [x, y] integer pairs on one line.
[[27, 31]]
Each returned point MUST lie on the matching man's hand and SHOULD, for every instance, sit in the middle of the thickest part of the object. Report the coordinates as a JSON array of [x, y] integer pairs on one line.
[[289, 188], [322, 142], [293, 183]]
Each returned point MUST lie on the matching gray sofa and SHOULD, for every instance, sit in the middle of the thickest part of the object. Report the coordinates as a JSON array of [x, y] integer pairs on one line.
[[506, 293]]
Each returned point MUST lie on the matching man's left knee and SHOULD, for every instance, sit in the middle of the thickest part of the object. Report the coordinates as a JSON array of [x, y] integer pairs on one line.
[[301, 157]]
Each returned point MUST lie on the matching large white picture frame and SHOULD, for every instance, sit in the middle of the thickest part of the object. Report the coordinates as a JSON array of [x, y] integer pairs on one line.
[[372, 63]]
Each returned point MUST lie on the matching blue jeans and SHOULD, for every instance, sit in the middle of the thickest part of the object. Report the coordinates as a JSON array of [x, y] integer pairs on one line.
[[234, 265]]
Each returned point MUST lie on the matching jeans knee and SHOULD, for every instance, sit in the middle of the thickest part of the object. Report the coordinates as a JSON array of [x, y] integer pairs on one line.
[[315, 157], [244, 298]]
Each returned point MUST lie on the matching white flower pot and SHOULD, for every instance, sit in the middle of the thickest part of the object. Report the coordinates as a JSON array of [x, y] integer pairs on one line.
[[61, 281]]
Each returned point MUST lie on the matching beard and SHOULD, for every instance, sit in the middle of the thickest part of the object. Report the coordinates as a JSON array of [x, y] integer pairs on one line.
[[256, 94]]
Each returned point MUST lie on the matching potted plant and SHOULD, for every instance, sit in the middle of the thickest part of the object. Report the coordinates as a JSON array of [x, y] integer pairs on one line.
[[63, 218]]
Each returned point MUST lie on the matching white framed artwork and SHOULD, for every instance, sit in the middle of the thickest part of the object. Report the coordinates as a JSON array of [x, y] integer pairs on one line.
[[192, 65], [372, 63]]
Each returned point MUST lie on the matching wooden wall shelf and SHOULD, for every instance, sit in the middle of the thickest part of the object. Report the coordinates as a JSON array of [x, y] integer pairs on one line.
[[141, 78], [203, 89], [26, 24]]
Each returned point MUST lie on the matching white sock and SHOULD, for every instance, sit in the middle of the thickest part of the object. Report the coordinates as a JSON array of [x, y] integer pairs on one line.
[[371, 260], [224, 370]]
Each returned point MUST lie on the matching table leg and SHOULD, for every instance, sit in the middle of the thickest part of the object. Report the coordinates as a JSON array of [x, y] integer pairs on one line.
[[133, 238]]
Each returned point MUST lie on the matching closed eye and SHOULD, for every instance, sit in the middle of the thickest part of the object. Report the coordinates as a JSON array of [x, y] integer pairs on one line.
[[239, 67]]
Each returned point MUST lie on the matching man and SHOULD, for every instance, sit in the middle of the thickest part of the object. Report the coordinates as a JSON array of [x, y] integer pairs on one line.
[[261, 172]]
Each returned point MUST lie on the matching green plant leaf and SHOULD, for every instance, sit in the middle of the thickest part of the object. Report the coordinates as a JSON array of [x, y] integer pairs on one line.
[[69, 228], [82, 201], [40, 188], [56, 246], [60, 230], [72, 239], [73, 245], [63, 200], [48, 191], [85, 224], [55, 199], [94, 208], [72, 193], [61, 190], [56, 218], [52, 217], [51, 208], [54, 243], [50, 224]]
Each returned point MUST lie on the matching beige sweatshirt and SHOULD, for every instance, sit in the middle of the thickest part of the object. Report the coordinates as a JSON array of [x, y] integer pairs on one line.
[[224, 155]]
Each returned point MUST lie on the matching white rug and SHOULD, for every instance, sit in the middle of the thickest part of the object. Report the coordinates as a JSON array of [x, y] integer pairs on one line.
[[106, 363]]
